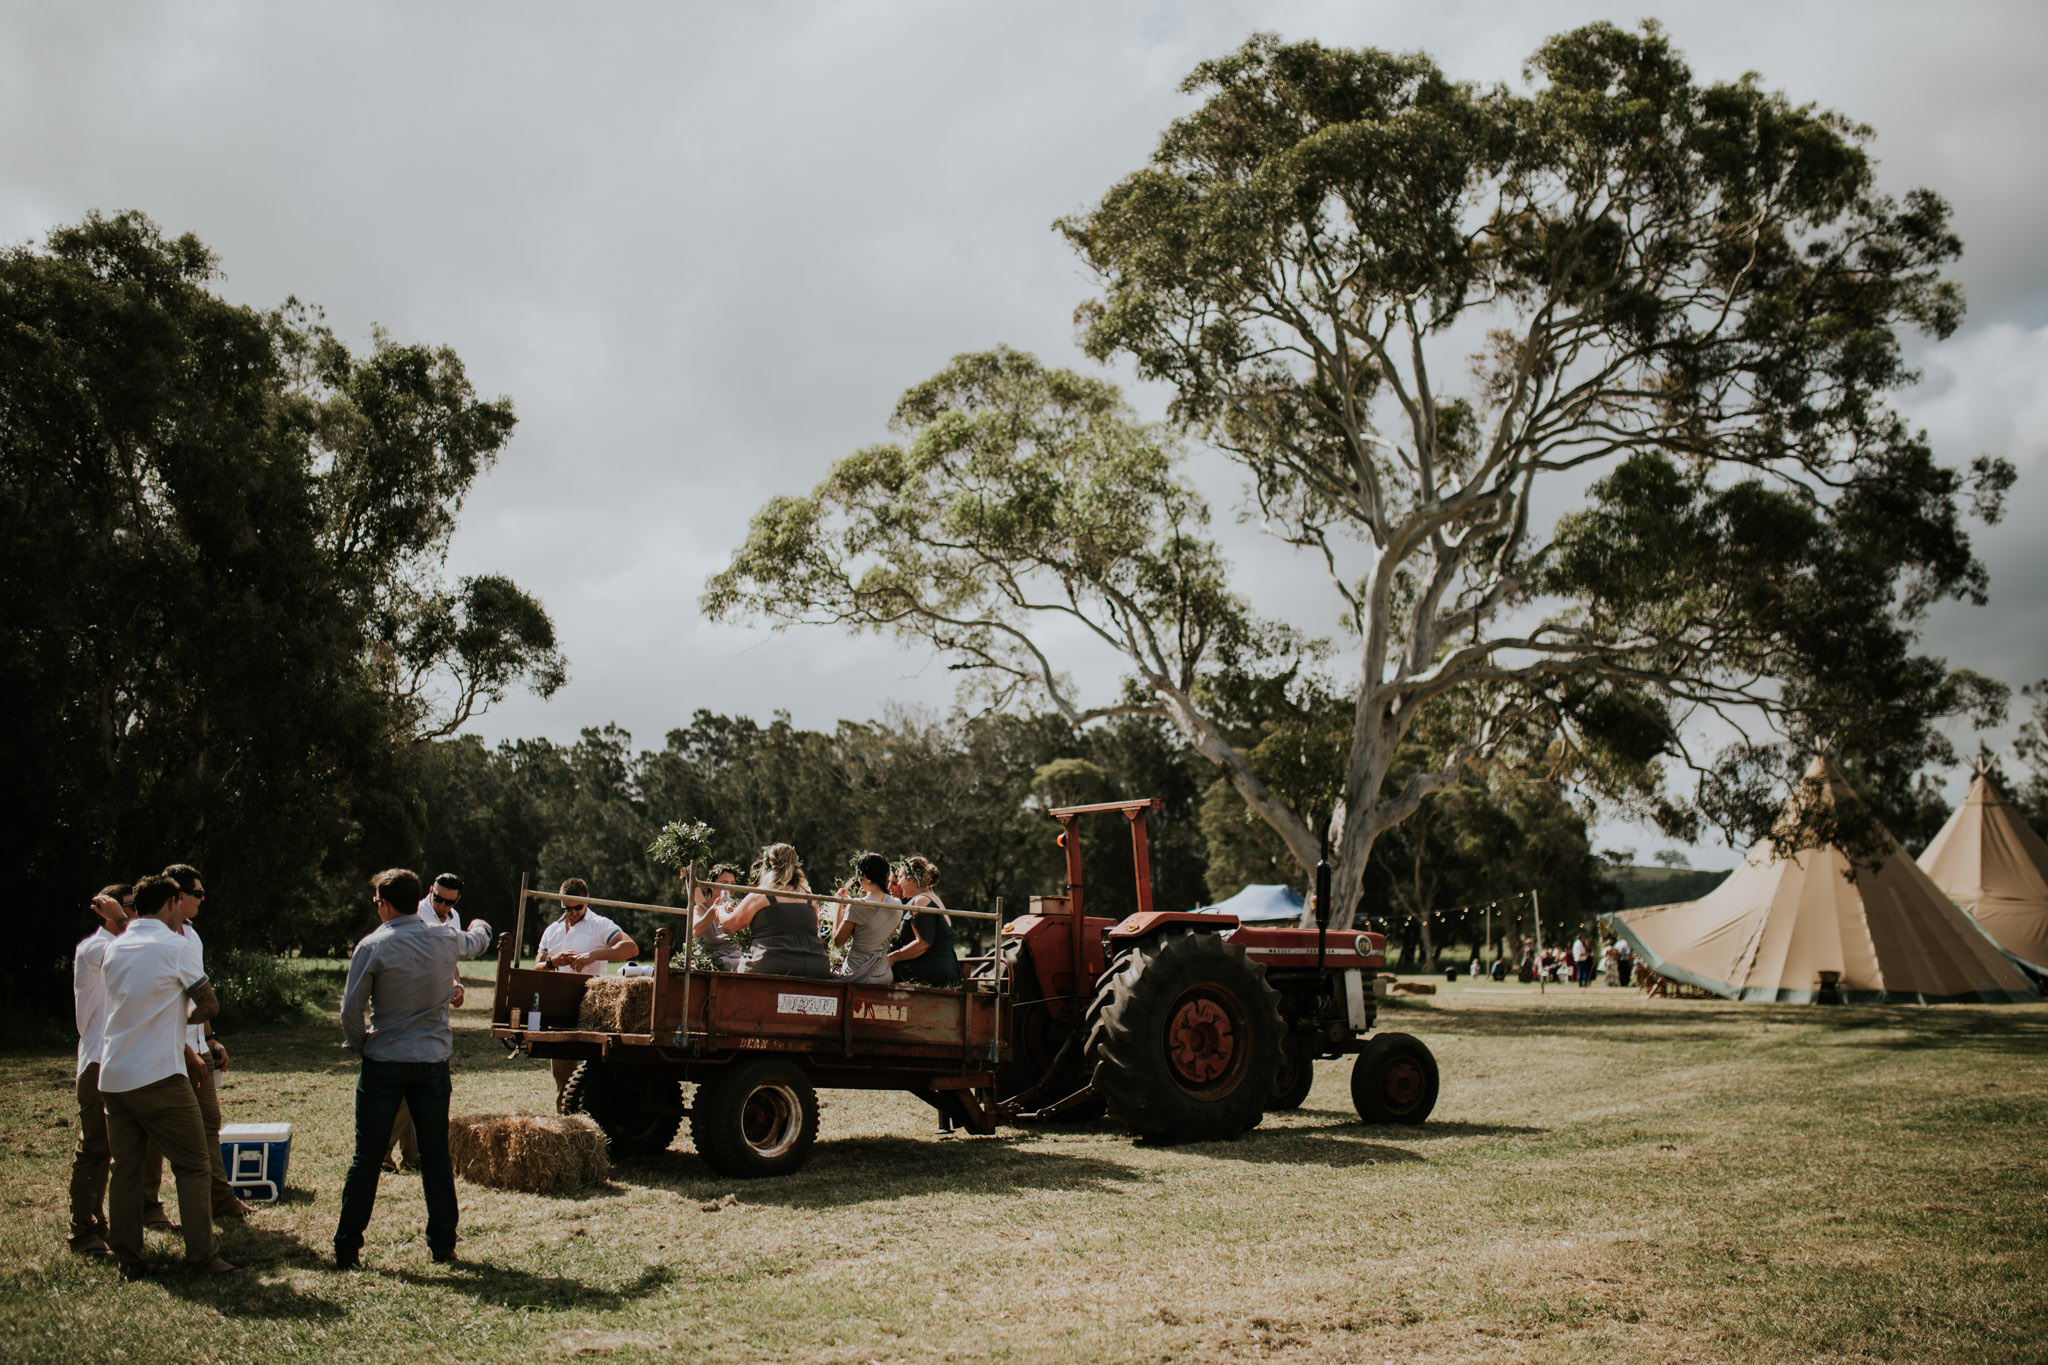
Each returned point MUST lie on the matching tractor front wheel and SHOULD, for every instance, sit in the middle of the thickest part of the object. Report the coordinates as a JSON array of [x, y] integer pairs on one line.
[[639, 1117], [1394, 1080], [755, 1119], [1185, 1039]]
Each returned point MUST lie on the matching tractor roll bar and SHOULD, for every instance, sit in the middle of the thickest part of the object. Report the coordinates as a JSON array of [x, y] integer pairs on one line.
[[778, 893]]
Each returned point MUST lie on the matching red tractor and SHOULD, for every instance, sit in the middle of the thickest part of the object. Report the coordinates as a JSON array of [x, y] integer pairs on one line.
[[1181, 1026], [1186, 1025]]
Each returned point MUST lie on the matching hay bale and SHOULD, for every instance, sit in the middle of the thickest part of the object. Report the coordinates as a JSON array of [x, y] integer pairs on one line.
[[617, 1004], [1415, 987], [540, 1153]]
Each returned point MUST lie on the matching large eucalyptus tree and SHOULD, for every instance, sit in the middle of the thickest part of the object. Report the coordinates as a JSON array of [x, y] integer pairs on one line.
[[1579, 391]]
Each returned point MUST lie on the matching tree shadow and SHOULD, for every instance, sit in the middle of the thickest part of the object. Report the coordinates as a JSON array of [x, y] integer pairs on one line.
[[507, 1287], [1301, 1147], [1990, 1029], [853, 1171]]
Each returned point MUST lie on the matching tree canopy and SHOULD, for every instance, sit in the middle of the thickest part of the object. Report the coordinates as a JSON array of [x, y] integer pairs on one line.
[[1579, 391], [224, 616]]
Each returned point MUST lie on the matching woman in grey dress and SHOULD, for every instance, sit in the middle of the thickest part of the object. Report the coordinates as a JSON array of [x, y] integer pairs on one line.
[[786, 941], [867, 930]]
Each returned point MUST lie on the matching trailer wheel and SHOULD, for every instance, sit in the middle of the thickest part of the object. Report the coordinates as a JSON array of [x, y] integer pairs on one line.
[[755, 1118], [1394, 1080], [1186, 1039], [1296, 1076], [639, 1118]]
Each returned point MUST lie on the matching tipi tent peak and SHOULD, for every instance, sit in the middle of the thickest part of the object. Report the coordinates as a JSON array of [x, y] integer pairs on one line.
[[1990, 861]]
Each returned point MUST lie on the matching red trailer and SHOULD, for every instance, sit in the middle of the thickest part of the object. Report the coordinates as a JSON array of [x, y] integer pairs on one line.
[[1178, 1025]]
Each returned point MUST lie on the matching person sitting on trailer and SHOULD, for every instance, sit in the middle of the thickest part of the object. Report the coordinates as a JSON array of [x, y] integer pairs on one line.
[[925, 957], [786, 941], [713, 898], [867, 930]]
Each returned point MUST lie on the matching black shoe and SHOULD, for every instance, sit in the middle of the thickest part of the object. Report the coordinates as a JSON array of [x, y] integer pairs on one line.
[[444, 1257], [137, 1271], [347, 1260]]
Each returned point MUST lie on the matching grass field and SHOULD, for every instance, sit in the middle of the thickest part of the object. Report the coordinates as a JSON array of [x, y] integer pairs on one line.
[[1604, 1179]]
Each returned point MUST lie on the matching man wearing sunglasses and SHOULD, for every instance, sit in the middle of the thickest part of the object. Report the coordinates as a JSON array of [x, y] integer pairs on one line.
[[204, 1054], [437, 910]]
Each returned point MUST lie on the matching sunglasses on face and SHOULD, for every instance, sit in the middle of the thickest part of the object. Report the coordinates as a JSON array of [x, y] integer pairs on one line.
[[440, 899], [197, 893]]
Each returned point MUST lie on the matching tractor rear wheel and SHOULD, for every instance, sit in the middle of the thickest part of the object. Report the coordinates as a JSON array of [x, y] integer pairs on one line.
[[639, 1117], [755, 1119], [1296, 1077], [1185, 1039], [1394, 1080]]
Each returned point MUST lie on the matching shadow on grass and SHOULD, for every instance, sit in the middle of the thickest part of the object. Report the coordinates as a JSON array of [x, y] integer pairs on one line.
[[506, 1287], [854, 1171], [1994, 1029], [246, 1296], [1301, 1147]]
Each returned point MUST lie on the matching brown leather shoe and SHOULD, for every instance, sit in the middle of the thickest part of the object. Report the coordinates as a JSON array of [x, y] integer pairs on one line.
[[162, 1222], [216, 1266], [91, 1246], [233, 1209]]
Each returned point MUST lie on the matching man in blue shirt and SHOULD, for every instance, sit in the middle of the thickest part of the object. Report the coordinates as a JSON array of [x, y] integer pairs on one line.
[[403, 974]]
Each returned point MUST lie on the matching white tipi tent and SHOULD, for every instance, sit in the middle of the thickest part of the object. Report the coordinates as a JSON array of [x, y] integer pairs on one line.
[[1989, 861], [1776, 924]]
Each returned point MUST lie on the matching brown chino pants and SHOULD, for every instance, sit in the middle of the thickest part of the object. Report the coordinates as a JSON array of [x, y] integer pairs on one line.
[[91, 1159], [165, 1112], [209, 1113]]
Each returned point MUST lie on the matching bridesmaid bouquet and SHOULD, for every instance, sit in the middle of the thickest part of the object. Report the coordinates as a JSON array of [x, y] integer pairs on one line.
[[679, 844]]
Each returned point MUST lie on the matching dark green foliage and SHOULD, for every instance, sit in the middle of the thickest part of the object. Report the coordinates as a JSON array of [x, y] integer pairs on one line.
[[960, 792], [221, 625], [1697, 293], [257, 989]]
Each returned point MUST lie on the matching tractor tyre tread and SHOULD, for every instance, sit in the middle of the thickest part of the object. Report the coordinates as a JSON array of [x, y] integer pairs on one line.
[[630, 1129], [1126, 1039], [717, 1119]]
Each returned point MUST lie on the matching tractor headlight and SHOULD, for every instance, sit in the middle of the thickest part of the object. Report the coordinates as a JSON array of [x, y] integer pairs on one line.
[[1364, 945]]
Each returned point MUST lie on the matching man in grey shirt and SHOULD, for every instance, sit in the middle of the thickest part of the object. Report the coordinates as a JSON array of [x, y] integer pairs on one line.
[[403, 974]]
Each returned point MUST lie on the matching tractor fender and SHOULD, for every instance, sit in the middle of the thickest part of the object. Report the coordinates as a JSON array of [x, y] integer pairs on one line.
[[1149, 922]]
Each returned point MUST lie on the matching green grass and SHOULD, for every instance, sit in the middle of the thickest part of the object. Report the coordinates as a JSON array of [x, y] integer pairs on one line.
[[1604, 1179]]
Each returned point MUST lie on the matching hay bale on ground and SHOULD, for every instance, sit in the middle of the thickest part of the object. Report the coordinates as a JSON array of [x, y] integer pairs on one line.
[[540, 1153], [617, 1004]]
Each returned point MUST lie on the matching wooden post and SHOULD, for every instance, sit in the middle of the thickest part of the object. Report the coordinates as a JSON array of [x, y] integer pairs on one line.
[[1537, 902], [689, 950], [519, 932]]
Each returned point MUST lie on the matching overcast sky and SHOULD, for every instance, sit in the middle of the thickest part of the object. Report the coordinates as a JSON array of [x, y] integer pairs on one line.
[[703, 248]]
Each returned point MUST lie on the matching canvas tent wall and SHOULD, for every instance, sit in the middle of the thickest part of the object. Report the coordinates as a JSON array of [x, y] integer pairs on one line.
[[1771, 929], [1261, 903], [1989, 861]]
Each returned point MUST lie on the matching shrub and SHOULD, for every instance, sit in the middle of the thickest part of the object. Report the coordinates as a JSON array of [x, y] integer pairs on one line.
[[257, 988]]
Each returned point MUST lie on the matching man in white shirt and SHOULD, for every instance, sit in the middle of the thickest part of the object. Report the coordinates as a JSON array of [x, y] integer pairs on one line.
[[208, 1055], [1581, 961], [581, 941], [152, 992], [90, 1158]]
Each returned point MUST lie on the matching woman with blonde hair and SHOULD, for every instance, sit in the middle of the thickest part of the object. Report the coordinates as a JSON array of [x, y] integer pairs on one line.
[[925, 957], [786, 941]]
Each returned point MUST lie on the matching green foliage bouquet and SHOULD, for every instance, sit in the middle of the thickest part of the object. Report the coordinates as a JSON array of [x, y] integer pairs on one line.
[[680, 844]]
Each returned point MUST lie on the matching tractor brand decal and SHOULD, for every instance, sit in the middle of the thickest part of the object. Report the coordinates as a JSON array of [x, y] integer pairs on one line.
[[1334, 951], [826, 1005], [868, 1009]]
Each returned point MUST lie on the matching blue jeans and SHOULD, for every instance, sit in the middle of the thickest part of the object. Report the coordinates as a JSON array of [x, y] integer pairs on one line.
[[423, 1088]]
